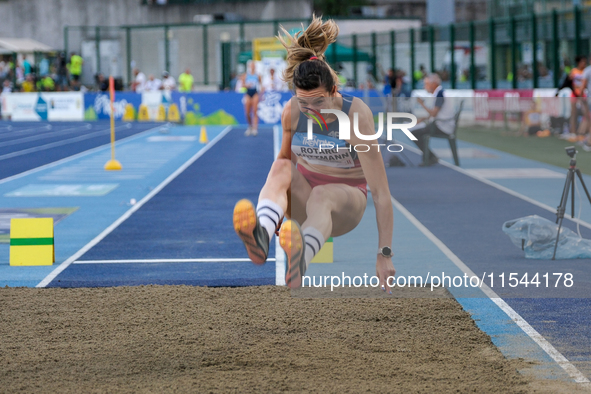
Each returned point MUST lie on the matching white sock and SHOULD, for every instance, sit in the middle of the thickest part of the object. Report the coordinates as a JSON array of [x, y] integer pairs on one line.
[[269, 215], [314, 241]]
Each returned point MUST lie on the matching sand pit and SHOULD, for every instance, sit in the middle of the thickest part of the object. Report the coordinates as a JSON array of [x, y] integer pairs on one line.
[[257, 339]]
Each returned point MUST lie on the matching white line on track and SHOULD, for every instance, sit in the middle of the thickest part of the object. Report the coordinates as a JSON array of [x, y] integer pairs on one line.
[[77, 155], [129, 212], [279, 254], [501, 188], [55, 144], [11, 129], [51, 134], [152, 261], [568, 367]]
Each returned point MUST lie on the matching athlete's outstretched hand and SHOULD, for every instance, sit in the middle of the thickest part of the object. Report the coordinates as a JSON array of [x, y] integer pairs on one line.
[[384, 270]]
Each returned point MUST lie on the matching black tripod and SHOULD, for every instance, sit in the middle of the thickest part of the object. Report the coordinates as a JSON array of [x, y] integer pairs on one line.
[[569, 185]]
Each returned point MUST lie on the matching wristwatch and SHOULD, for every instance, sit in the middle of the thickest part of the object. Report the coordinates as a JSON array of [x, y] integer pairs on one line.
[[386, 251]]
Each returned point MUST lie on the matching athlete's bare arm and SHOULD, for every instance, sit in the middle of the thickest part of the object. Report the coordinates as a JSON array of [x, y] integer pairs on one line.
[[286, 124], [375, 174]]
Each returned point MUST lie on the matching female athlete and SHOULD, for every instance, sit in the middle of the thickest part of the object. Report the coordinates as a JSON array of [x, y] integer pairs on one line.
[[252, 82], [327, 197]]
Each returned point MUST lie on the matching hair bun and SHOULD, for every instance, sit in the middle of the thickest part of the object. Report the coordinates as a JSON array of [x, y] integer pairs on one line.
[[308, 44]]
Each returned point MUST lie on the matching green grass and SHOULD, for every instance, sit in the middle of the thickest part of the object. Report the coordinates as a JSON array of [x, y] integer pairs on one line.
[[548, 150]]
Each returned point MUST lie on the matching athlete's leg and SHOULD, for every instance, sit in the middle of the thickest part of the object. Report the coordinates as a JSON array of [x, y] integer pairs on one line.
[[285, 181], [334, 209], [248, 109], [255, 117], [331, 210], [257, 226]]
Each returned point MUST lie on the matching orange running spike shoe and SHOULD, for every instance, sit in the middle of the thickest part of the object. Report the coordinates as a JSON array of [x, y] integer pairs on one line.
[[292, 241], [248, 228]]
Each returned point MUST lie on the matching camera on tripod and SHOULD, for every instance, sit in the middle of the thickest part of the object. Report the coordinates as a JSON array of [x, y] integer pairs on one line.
[[569, 188]]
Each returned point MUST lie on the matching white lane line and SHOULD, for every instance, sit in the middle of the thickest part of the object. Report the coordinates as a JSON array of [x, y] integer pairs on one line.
[[76, 156], [569, 368], [51, 134], [129, 212], [55, 144], [501, 188], [516, 173], [279, 254], [32, 129], [151, 261]]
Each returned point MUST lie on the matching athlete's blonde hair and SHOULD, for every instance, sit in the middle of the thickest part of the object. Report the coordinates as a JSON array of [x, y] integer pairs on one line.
[[308, 43]]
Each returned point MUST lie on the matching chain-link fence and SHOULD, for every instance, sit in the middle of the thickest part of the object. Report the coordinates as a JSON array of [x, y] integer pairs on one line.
[[527, 51]]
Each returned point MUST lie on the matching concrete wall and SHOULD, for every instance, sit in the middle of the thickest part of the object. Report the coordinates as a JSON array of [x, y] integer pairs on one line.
[[43, 20]]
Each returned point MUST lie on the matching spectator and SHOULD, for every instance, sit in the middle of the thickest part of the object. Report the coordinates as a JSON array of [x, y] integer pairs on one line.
[[186, 81], [44, 67], [47, 84], [153, 84], [11, 68], [578, 101], [6, 86], [61, 72], [20, 74], [26, 67], [401, 85], [441, 119], [139, 83], [3, 69], [75, 67], [586, 76], [370, 81], [388, 78], [273, 82], [168, 82], [420, 73], [28, 85], [102, 83], [532, 120], [233, 81]]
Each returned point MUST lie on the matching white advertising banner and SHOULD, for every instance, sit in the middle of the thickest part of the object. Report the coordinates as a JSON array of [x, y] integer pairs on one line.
[[64, 106], [59, 106]]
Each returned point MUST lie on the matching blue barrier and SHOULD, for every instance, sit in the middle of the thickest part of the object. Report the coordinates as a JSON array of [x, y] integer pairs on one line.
[[219, 108], [98, 105]]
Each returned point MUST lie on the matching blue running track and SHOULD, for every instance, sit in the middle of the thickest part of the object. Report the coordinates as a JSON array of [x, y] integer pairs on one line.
[[28, 145]]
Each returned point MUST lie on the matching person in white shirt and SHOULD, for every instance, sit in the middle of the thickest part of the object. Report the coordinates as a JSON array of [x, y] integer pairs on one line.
[[3, 69], [441, 119], [273, 82], [7, 86], [168, 82], [139, 83], [153, 84]]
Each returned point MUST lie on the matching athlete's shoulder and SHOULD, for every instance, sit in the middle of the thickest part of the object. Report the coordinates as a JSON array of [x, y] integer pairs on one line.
[[287, 108], [357, 105], [291, 107]]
